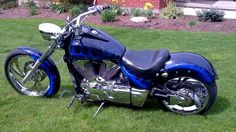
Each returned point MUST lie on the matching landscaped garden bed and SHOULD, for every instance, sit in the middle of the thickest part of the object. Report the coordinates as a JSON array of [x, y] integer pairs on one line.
[[182, 23]]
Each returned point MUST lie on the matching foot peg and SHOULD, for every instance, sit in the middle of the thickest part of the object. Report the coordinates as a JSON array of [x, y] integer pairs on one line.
[[79, 97], [99, 108], [64, 92], [69, 104]]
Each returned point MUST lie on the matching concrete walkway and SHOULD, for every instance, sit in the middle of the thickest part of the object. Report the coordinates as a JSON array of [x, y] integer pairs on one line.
[[221, 4], [192, 12], [190, 8]]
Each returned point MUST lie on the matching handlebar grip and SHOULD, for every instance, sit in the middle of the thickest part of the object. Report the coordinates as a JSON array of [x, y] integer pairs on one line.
[[100, 9], [106, 7]]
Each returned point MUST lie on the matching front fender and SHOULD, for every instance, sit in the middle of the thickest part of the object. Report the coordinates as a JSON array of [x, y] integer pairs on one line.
[[49, 66], [191, 64]]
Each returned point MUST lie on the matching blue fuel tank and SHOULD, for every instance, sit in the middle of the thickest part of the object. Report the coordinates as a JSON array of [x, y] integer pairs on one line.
[[94, 44]]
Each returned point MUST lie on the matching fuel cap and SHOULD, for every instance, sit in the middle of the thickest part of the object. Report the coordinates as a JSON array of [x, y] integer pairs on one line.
[[94, 32]]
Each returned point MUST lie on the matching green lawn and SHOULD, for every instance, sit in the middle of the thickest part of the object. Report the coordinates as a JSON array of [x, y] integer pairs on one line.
[[21, 113]]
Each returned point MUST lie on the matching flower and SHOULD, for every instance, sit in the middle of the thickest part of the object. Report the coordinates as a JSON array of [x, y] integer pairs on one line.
[[115, 2], [148, 6]]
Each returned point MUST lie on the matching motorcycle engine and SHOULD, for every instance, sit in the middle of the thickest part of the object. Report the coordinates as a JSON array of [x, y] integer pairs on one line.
[[104, 81], [99, 89]]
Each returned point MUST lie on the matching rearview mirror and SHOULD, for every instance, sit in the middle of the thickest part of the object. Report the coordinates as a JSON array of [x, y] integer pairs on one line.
[[94, 2]]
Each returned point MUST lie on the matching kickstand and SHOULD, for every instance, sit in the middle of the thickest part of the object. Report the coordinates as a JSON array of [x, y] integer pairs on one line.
[[64, 92], [99, 108]]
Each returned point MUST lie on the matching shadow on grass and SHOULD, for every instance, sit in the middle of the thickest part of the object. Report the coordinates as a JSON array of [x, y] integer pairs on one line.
[[150, 104], [66, 94], [220, 105]]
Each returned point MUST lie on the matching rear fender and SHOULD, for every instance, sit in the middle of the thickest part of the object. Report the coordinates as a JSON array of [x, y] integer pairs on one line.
[[190, 64], [49, 66]]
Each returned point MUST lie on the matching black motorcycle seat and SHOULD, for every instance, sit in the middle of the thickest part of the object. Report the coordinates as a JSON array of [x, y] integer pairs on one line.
[[145, 63]]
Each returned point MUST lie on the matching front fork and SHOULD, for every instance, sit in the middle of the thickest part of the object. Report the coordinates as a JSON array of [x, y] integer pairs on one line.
[[36, 65]]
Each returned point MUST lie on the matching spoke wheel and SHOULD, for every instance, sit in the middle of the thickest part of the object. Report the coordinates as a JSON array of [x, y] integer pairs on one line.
[[16, 69], [188, 95]]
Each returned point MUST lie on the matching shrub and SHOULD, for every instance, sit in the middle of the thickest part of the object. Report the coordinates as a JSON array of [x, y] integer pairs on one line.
[[32, 8], [67, 4], [76, 2], [33, 11], [108, 15], [171, 11], [8, 5], [82, 7], [136, 12], [74, 11], [211, 15], [31, 4], [6, 1], [56, 8], [149, 14], [77, 9], [192, 23], [117, 8], [119, 11]]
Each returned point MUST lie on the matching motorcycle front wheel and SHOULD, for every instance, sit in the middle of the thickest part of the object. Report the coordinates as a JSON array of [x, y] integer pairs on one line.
[[191, 96], [41, 83]]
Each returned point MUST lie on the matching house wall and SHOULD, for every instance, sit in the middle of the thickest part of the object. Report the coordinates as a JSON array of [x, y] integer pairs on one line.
[[158, 4]]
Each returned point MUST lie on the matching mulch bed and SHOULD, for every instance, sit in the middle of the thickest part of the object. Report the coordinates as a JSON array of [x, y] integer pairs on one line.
[[179, 24]]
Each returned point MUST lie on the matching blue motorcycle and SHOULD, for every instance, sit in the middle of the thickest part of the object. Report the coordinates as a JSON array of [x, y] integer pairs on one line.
[[103, 70]]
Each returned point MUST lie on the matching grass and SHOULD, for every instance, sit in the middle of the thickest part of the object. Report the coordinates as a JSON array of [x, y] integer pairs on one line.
[[21, 113]]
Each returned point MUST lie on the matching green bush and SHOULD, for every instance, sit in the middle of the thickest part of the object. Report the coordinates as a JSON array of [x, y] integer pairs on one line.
[[8, 5], [136, 12], [108, 15], [77, 9], [56, 8], [32, 8], [33, 11], [67, 4], [171, 11], [6, 1], [31, 4], [211, 15], [192, 23], [76, 2], [74, 11], [119, 11], [149, 14]]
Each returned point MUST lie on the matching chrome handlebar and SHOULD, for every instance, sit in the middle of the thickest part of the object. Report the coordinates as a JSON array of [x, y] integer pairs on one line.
[[76, 22], [91, 10]]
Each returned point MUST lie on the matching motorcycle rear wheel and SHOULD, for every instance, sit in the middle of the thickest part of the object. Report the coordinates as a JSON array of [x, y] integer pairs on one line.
[[17, 64], [193, 96]]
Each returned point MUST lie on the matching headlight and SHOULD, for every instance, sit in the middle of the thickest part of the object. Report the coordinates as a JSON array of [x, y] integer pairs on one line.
[[49, 30]]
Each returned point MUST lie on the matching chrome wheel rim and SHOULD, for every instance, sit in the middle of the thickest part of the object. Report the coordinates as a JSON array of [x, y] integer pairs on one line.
[[189, 96], [17, 68]]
